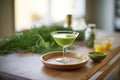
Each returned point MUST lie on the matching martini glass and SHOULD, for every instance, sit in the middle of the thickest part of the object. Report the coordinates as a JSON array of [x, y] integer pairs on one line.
[[64, 39]]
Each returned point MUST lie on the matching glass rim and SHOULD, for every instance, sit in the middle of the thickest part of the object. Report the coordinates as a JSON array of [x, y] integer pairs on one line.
[[64, 31]]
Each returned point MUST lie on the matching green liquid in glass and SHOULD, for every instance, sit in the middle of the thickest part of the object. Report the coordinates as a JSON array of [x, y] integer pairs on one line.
[[64, 39]]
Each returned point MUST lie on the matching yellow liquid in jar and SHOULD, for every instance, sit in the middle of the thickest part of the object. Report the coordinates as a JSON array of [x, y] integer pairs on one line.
[[100, 47], [108, 44]]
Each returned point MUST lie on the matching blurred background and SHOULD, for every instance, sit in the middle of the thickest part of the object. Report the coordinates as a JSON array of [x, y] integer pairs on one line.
[[16, 15]]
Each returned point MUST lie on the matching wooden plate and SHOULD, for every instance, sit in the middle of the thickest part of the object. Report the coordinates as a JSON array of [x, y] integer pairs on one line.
[[49, 60]]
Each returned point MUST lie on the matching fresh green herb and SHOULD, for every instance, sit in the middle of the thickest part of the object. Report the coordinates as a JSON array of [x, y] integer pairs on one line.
[[36, 40]]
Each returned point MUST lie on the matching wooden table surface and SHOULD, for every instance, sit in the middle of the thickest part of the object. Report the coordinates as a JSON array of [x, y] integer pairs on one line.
[[27, 66]]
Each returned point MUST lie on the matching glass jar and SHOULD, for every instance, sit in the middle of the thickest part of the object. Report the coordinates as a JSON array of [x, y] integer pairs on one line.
[[89, 37]]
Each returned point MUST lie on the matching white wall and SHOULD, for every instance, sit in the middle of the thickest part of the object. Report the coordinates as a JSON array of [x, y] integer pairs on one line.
[[101, 12], [105, 14]]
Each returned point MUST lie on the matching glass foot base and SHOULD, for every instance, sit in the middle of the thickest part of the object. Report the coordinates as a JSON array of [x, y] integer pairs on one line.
[[63, 60]]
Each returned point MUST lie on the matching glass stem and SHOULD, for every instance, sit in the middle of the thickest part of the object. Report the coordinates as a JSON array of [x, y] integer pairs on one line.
[[64, 54]]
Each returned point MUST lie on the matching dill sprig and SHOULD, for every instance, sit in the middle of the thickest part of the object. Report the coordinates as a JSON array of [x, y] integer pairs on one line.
[[35, 40]]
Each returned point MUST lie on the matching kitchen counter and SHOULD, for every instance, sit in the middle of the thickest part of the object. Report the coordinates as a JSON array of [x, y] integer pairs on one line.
[[27, 66]]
